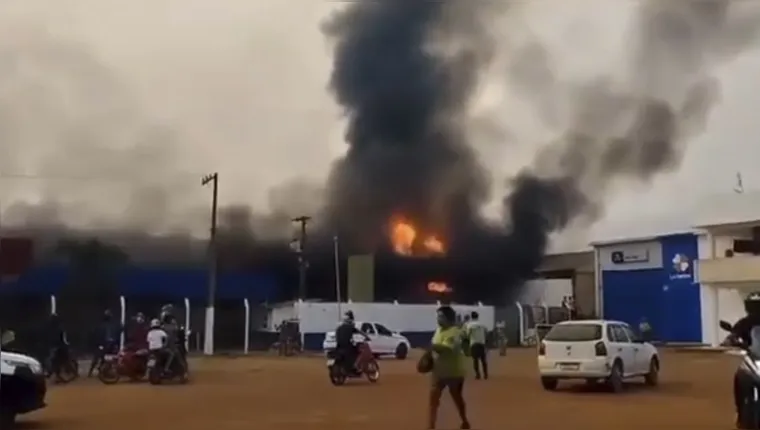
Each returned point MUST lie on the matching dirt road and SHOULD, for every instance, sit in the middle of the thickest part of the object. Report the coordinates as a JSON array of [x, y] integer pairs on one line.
[[285, 394]]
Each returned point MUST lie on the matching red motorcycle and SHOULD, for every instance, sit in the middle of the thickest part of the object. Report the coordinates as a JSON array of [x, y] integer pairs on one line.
[[128, 363], [365, 365]]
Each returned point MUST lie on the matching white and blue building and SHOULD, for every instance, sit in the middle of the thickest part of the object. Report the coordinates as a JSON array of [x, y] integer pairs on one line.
[[652, 278], [684, 282]]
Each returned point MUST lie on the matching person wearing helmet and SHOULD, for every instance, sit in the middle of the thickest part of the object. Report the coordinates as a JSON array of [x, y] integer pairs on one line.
[[344, 336], [742, 334], [176, 333], [158, 340]]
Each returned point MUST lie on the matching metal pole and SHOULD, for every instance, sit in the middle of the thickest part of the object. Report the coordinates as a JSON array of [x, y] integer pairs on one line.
[[302, 263], [337, 274], [208, 339]]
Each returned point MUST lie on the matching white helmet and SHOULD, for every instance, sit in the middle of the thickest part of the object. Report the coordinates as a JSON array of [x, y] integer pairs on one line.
[[155, 323]]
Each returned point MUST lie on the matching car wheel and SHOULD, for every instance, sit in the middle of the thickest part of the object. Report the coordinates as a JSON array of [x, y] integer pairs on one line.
[[401, 351], [615, 380], [653, 377], [549, 384]]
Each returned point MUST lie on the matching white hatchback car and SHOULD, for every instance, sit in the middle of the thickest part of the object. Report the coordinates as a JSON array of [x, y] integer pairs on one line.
[[382, 341], [596, 350]]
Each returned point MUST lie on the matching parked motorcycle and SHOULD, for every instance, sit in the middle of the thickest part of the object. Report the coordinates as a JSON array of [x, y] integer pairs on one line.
[[366, 365], [749, 416], [131, 364], [158, 371], [62, 365]]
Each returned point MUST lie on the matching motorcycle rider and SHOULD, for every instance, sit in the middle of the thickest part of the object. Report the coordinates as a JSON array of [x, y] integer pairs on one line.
[[158, 343], [106, 340], [176, 337], [741, 335], [137, 333], [344, 345]]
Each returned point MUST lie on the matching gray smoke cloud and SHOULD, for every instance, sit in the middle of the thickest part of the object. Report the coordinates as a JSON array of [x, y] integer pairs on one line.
[[407, 148], [92, 146]]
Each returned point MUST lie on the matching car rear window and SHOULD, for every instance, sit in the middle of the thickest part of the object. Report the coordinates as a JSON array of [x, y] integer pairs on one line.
[[574, 333]]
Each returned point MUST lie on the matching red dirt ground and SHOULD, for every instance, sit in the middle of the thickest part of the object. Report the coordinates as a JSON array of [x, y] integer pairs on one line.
[[294, 393]]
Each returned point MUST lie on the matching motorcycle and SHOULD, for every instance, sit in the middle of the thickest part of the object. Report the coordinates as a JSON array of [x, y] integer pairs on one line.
[[365, 365], [158, 371], [62, 365], [132, 364], [749, 416]]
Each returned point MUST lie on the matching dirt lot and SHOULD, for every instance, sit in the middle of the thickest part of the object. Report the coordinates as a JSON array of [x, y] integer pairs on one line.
[[284, 394]]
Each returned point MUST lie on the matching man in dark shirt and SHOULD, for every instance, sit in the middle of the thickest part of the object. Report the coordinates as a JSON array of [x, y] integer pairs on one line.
[[741, 335], [107, 339], [58, 346], [344, 345]]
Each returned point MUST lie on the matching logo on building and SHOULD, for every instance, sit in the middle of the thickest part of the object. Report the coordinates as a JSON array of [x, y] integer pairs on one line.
[[630, 256], [681, 266]]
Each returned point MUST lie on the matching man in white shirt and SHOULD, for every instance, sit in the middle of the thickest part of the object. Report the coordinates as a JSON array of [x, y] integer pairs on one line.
[[157, 337], [477, 334]]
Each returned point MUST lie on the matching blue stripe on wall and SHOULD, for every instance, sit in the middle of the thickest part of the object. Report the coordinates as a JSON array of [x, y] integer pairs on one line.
[[154, 281]]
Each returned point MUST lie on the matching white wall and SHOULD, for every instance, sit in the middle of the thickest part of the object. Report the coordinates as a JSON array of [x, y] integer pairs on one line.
[[719, 303], [730, 304], [279, 313], [323, 317], [548, 292], [630, 256], [708, 295]]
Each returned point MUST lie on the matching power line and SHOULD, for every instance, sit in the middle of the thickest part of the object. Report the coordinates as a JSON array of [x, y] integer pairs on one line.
[[108, 178]]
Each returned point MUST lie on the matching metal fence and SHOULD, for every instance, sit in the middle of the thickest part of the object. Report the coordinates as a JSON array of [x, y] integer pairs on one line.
[[240, 326]]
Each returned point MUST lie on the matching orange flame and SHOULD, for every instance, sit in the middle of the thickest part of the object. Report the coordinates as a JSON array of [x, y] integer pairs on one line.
[[406, 241], [403, 236], [438, 287], [434, 245]]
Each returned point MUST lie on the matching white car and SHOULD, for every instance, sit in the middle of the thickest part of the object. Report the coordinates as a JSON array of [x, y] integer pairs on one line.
[[382, 341], [596, 350], [22, 384]]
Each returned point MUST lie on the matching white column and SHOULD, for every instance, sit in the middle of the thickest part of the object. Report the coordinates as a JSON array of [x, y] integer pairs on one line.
[[598, 296], [712, 293]]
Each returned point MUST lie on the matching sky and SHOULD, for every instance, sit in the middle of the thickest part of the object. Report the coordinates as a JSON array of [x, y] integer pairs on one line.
[[114, 109]]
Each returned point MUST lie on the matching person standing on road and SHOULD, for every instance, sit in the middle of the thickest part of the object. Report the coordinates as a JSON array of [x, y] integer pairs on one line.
[[645, 329], [448, 366], [477, 334]]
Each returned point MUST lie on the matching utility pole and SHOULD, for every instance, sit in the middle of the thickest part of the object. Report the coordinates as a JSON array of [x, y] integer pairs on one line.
[[300, 248], [208, 339]]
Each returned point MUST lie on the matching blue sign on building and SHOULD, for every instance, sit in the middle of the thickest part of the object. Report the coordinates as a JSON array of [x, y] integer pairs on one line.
[[653, 280]]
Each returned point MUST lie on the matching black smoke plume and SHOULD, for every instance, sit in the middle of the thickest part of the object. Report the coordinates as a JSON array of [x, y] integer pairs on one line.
[[404, 72]]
